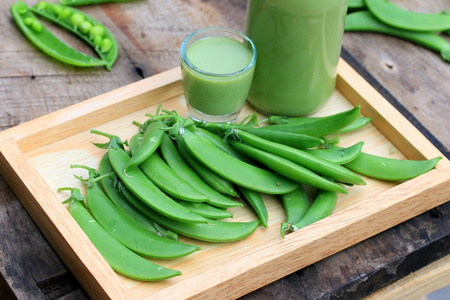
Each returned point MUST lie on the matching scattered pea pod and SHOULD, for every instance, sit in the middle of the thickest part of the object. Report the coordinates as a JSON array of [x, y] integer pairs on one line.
[[296, 204], [338, 155], [87, 28], [233, 169], [257, 203], [213, 231], [88, 2], [206, 210], [135, 180], [390, 169], [356, 4], [359, 123], [314, 126], [366, 21], [46, 41], [302, 158], [124, 229], [121, 259], [175, 161], [112, 187], [395, 16]]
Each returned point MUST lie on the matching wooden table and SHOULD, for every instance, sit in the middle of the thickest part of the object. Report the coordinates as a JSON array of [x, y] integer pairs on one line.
[[415, 80]]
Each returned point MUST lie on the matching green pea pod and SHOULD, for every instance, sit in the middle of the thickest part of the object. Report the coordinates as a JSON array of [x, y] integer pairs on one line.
[[89, 2], [390, 169], [322, 206], [288, 168], [175, 161], [46, 41], [150, 142], [257, 203], [233, 169], [206, 210], [213, 231], [366, 21], [87, 28], [112, 187], [300, 157], [338, 155], [356, 4], [359, 123], [296, 204], [125, 230], [121, 259], [214, 180], [317, 126], [395, 16], [138, 183]]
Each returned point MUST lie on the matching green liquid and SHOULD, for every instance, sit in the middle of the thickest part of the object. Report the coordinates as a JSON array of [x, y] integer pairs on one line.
[[223, 91], [298, 44]]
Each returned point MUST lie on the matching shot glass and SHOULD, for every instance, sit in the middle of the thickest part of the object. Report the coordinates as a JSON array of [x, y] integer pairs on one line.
[[217, 66]]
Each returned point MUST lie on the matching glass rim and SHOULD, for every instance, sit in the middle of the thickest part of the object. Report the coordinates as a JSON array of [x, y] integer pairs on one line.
[[232, 31]]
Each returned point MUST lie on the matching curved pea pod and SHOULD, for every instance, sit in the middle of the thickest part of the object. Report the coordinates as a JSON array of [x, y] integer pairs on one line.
[[390, 169], [213, 231], [46, 41], [125, 230], [206, 210], [300, 157], [175, 161], [395, 16], [121, 259], [112, 187], [148, 144], [314, 126], [336, 154], [359, 123], [366, 21], [257, 203], [322, 206], [87, 28], [288, 168], [235, 170], [296, 204], [356, 4], [212, 178]]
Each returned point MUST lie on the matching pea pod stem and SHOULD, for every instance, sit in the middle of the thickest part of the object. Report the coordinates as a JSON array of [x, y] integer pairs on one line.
[[366, 21]]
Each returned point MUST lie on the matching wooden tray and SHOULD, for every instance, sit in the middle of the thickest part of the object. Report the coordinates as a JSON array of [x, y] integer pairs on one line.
[[35, 159]]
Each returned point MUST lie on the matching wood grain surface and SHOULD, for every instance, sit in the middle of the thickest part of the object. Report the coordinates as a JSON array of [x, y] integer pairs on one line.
[[149, 33]]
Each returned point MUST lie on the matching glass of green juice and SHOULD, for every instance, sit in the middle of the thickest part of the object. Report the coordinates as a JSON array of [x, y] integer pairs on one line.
[[217, 66], [299, 45]]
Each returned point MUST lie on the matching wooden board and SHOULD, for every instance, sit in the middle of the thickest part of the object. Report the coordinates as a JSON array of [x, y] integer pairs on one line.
[[35, 159]]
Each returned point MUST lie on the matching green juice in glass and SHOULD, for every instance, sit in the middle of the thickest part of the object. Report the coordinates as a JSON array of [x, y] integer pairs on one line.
[[216, 72], [298, 44]]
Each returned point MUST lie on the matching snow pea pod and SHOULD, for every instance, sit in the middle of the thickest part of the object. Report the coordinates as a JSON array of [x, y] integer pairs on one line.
[[338, 155], [395, 16], [88, 2], [314, 126], [120, 258], [300, 157], [356, 4], [176, 162], [390, 169], [359, 123], [206, 210], [86, 27], [125, 230], [214, 180], [257, 203], [46, 41], [233, 169], [366, 21], [213, 231], [288, 168], [112, 187], [150, 141], [296, 204], [135, 180]]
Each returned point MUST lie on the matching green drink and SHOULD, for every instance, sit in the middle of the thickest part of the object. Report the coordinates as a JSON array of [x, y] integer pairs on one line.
[[298, 44], [217, 67]]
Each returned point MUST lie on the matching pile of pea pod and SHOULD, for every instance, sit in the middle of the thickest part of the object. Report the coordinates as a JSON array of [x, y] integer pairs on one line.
[[177, 176], [74, 21], [383, 16]]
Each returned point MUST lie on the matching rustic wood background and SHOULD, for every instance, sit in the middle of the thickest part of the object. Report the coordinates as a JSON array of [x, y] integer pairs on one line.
[[149, 33]]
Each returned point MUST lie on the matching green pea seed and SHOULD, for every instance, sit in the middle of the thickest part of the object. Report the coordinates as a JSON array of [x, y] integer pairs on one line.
[[28, 21], [85, 26], [76, 19], [22, 8], [57, 9], [97, 40], [42, 5], [64, 13], [96, 30], [105, 45], [36, 26]]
